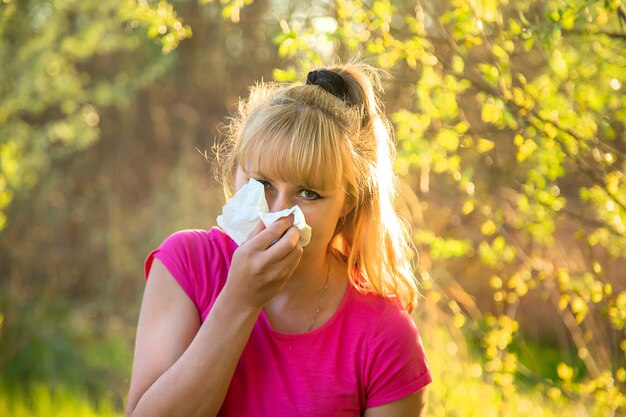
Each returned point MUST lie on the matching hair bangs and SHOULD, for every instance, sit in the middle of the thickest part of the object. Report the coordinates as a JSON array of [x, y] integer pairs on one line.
[[301, 146]]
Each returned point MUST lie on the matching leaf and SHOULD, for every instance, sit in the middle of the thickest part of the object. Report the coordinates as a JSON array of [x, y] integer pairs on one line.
[[514, 27], [448, 139], [491, 112], [550, 130], [488, 228], [458, 65], [500, 53], [568, 18], [564, 371], [485, 145], [468, 207], [462, 127], [559, 65], [288, 75], [525, 150]]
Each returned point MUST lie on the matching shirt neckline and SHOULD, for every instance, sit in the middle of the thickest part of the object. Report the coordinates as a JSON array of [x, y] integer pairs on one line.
[[340, 311]]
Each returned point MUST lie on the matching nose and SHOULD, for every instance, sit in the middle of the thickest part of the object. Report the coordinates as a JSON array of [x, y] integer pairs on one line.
[[277, 200]]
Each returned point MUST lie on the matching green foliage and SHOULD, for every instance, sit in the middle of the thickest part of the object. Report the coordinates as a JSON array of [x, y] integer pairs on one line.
[[49, 344], [50, 97], [461, 389]]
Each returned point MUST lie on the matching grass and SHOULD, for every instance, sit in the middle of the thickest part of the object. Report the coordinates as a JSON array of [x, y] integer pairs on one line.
[[43, 401]]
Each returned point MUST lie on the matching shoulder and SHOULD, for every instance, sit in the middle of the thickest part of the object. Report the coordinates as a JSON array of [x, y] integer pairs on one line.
[[193, 239], [192, 245], [386, 311], [386, 327], [395, 364], [395, 334], [198, 260]]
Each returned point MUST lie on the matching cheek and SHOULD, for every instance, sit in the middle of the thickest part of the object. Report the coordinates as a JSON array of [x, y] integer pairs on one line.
[[322, 224]]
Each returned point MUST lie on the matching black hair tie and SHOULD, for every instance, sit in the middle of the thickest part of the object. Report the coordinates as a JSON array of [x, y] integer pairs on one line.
[[331, 82]]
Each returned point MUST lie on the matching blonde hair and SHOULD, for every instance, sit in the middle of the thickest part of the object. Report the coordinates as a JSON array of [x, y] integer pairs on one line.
[[304, 134]]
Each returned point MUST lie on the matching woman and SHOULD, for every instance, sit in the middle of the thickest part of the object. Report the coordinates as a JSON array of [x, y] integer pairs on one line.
[[269, 328]]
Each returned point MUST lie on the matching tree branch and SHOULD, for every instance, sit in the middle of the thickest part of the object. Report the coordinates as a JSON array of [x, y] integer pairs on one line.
[[621, 11], [614, 35]]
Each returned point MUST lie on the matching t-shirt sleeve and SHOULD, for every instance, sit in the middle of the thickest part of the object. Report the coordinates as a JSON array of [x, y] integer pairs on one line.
[[398, 365], [174, 253]]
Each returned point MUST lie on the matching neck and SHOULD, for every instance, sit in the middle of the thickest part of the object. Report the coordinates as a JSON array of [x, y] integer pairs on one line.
[[303, 290], [308, 277], [315, 285]]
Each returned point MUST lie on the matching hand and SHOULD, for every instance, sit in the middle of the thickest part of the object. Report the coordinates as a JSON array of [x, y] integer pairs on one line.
[[262, 265]]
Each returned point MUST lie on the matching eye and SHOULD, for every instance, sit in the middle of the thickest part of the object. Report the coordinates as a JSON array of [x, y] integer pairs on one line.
[[309, 195], [266, 184]]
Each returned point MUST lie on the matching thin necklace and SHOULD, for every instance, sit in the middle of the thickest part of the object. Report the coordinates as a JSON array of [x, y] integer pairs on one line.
[[319, 306]]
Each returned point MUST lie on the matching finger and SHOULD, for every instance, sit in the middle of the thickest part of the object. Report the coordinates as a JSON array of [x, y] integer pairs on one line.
[[292, 259], [265, 238], [286, 244]]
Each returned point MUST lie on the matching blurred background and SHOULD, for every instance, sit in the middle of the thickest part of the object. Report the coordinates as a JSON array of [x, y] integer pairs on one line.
[[510, 127]]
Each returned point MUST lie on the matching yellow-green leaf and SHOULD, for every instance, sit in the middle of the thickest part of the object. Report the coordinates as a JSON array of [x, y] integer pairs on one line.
[[448, 140], [488, 228], [485, 145], [564, 372]]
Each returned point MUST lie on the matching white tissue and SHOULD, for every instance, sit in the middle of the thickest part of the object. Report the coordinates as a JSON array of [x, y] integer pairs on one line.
[[298, 221], [242, 213]]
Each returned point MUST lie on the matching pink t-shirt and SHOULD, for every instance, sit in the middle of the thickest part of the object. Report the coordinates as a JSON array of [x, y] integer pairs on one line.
[[368, 354]]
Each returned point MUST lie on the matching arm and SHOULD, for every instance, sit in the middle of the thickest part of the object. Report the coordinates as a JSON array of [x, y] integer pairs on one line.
[[413, 405], [182, 368]]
